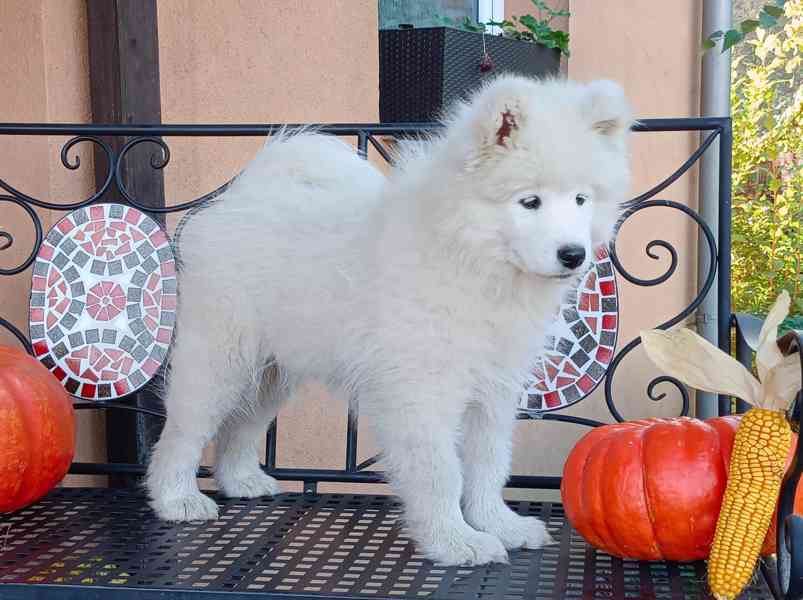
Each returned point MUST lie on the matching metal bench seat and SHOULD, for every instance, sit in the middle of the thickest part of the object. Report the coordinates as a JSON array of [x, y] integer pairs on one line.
[[105, 543]]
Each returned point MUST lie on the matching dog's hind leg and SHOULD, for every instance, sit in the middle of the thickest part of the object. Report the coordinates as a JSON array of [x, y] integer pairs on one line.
[[486, 453], [209, 379], [237, 468]]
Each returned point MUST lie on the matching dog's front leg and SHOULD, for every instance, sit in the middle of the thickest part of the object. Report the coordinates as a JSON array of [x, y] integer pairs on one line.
[[418, 434], [486, 452]]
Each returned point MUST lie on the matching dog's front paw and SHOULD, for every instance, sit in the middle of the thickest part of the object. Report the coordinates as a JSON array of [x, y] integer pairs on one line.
[[192, 507], [254, 485], [465, 546], [516, 531]]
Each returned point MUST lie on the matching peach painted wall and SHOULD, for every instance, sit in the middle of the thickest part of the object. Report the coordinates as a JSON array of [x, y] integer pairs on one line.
[[272, 62], [313, 61]]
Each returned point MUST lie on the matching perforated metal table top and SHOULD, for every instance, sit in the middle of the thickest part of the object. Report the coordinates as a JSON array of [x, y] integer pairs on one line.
[[99, 543]]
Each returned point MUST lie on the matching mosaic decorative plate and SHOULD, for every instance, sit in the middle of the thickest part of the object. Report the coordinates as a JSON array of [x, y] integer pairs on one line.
[[580, 343], [103, 300]]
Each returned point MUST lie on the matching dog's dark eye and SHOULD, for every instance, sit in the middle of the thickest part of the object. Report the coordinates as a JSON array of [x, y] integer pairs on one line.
[[531, 202], [581, 199]]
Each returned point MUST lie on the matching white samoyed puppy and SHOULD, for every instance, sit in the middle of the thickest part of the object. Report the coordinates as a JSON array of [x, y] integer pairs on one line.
[[424, 297]]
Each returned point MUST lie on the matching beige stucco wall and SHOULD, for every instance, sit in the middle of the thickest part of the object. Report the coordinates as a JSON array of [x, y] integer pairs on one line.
[[302, 61], [44, 75]]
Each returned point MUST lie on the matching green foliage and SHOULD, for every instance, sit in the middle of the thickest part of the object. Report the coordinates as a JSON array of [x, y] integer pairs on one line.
[[767, 107], [790, 324], [526, 27], [767, 19]]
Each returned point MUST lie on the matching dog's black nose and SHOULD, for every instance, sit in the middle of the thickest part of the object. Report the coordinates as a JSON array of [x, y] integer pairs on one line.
[[571, 256]]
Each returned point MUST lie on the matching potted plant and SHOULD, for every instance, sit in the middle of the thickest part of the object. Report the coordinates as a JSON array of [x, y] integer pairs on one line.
[[424, 70]]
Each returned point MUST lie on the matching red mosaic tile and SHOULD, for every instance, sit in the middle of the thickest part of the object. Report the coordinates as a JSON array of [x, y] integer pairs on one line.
[[591, 281], [602, 253], [96, 213], [164, 335], [594, 303], [150, 367], [53, 277], [121, 387], [168, 269], [64, 225], [89, 375], [39, 348], [552, 399], [63, 305], [568, 367], [74, 365], [94, 354], [592, 323], [133, 216], [586, 383], [541, 387], [82, 352], [609, 322], [158, 238], [564, 381], [51, 320], [38, 284], [59, 373], [585, 302], [108, 375], [169, 302], [604, 355], [608, 288], [46, 251], [88, 390], [551, 372]]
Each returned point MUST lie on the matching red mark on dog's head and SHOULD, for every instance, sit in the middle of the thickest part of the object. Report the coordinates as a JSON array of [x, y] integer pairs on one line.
[[508, 125]]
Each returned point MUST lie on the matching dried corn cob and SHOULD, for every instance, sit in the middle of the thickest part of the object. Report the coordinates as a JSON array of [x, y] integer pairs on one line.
[[754, 482]]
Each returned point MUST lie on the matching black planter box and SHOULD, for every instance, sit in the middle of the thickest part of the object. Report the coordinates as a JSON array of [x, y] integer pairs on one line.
[[422, 71]]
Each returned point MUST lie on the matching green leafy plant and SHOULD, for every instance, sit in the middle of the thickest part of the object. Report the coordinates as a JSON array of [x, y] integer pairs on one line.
[[525, 27], [767, 108], [767, 19]]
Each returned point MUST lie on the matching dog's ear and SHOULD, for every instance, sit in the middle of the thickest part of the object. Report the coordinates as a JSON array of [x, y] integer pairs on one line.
[[498, 112], [607, 108]]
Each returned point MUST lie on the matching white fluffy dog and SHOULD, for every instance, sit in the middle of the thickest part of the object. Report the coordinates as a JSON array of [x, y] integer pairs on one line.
[[424, 297]]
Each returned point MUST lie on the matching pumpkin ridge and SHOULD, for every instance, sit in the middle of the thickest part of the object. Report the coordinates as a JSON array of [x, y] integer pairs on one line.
[[647, 501], [604, 434], [18, 389], [613, 543]]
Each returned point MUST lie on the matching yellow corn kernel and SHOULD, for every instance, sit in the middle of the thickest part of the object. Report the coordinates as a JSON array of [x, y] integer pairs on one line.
[[762, 444]]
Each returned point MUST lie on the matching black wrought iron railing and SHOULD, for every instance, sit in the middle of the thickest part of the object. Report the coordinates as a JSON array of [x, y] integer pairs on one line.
[[114, 143]]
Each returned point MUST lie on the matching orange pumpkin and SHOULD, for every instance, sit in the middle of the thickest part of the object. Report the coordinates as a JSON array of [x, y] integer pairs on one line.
[[652, 489], [37, 430]]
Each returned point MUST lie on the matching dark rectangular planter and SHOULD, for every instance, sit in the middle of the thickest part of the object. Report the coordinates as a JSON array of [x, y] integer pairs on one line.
[[422, 71]]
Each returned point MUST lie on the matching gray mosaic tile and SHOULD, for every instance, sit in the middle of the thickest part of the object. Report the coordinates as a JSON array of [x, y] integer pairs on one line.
[[80, 258], [580, 358], [92, 336]]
